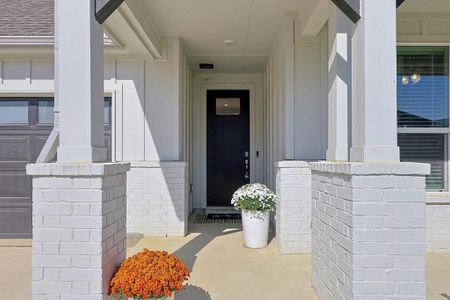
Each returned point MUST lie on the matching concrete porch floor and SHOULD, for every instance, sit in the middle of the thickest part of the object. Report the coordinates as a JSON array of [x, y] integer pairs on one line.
[[222, 268]]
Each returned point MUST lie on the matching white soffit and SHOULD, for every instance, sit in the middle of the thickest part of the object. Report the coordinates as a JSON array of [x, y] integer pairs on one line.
[[204, 25], [425, 6]]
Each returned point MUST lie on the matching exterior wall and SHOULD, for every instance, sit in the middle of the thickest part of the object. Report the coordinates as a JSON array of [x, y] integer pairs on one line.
[[146, 96], [368, 230], [430, 29], [158, 198], [438, 222], [276, 122], [151, 123], [311, 98], [293, 212], [79, 233], [296, 98], [423, 27]]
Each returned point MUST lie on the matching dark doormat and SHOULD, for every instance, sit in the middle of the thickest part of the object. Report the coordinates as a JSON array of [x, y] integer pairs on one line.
[[217, 218]]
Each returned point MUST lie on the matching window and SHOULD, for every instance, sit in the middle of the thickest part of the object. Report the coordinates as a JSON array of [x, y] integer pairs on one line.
[[423, 109], [228, 106], [107, 111], [45, 111], [13, 112]]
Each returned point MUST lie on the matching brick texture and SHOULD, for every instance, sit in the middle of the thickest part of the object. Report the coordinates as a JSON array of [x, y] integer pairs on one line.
[[158, 199], [79, 229], [438, 222], [293, 212], [368, 230]]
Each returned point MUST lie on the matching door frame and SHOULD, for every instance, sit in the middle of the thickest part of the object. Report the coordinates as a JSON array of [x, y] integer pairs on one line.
[[203, 83]]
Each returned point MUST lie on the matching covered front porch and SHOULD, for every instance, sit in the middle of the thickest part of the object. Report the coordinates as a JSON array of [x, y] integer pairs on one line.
[[222, 268], [320, 114]]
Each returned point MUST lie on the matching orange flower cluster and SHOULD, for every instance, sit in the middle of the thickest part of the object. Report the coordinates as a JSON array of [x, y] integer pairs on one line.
[[149, 275]]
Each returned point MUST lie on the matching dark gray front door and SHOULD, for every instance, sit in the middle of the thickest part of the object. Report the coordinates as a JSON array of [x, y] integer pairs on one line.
[[228, 143], [25, 124]]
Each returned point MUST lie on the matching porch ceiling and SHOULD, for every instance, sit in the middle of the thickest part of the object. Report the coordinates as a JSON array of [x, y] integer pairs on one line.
[[204, 25], [425, 6]]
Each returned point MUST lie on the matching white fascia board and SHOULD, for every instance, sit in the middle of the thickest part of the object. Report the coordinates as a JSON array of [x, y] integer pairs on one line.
[[41, 40], [314, 18], [132, 28], [26, 40]]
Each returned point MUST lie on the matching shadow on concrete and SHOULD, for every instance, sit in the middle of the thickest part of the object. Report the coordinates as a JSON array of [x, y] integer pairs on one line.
[[206, 233], [192, 292]]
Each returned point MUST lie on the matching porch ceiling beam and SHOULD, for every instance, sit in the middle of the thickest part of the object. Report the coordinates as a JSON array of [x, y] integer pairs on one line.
[[130, 25], [316, 15], [105, 8], [350, 8], [400, 2]]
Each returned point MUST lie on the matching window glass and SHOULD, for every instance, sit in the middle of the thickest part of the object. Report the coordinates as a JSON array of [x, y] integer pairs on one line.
[[107, 111], [228, 106], [425, 148], [45, 112], [13, 112], [422, 87]]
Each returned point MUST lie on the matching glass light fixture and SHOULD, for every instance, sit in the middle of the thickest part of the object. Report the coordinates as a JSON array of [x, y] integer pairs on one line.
[[405, 80], [416, 78]]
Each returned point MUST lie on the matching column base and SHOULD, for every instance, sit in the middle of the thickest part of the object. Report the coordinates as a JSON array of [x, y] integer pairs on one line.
[[81, 154], [368, 230], [339, 154], [79, 228], [375, 154]]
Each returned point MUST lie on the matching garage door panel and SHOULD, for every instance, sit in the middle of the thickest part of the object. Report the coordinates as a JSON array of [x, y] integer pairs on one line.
[[15, 148], [15, 222], [15, 185]]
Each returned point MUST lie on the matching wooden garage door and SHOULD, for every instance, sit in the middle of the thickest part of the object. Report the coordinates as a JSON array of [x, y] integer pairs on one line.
[[25, 124]]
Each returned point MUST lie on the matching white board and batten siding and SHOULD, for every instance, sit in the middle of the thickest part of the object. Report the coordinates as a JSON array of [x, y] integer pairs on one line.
[[146, 97]]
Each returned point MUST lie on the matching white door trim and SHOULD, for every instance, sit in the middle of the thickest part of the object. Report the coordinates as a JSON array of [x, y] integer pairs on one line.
[[203, 83]]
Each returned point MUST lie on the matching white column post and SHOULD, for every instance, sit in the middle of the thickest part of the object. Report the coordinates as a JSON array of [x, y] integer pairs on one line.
[[374, 122], [289, 84], [339, 83], [79, 88]]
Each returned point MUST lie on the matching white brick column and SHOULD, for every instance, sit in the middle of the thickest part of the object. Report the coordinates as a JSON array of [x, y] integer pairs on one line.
[[368, 230], [158, 198], [293, 212], [79, 228], [374, 96]]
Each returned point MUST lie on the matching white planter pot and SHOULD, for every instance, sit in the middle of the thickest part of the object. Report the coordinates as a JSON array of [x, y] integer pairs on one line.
[[256, 228]]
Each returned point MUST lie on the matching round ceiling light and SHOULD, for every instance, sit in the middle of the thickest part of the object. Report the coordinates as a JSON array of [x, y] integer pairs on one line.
[[228, 42]]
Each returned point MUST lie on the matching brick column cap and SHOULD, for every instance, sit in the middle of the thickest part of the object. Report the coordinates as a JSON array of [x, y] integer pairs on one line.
[[292, 164], [372, 168], [62, 169]]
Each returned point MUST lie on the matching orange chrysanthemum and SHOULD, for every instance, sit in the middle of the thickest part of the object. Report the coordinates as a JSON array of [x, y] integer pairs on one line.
[[149, 274]]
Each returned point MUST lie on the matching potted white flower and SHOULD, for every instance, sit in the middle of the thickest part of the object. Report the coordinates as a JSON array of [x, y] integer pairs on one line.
[[256, 201]]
